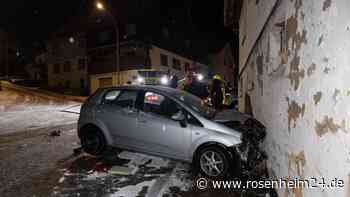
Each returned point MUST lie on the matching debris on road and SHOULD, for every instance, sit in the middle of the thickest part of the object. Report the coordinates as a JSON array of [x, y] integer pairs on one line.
[[101, 167], [55, 133], [77, 151], [124, 174], [122, 170], [61, 179]]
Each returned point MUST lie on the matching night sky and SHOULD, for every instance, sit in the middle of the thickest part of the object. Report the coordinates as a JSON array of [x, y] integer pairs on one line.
[[201, 21]]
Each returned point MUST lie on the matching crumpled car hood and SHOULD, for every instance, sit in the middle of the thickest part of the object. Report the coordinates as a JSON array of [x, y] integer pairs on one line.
[[231, 115]]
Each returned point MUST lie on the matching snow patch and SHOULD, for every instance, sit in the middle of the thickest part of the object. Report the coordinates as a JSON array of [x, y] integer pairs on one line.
[[95, 175], [132, 190], [180, 178], [137, 159]]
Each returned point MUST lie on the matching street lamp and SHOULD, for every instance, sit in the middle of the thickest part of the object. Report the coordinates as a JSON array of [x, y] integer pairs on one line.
[[100, 6]]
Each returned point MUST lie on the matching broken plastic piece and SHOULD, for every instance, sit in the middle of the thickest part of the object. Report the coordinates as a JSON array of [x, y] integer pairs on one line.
[[122, 170], [55, 133]]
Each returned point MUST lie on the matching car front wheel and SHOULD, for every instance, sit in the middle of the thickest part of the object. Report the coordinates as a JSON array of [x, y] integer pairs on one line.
[[93, 142], [213, 162]]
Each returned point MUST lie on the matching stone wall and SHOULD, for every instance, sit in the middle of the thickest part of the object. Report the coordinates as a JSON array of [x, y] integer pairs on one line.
[[297, 80]]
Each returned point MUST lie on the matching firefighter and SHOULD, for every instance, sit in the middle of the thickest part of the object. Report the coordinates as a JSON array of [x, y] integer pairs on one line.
[[174, 81], [217, 93]]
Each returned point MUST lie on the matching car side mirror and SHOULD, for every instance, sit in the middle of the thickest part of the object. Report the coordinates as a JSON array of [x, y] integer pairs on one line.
[[180, 117]]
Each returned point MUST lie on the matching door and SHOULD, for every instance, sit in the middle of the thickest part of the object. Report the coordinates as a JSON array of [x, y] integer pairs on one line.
[[158, 131], [119, 114], [105, 82]]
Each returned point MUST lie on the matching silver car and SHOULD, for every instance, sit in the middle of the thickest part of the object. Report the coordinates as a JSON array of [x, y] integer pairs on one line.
[[160, 121]]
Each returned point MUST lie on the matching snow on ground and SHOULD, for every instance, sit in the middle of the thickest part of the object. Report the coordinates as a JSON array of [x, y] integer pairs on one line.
[[73, 109], [19, 112], [34, 119], [133, 190], [17, 101]]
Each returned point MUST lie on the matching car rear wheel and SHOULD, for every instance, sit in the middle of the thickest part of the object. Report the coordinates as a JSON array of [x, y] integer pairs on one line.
[[93, 141], [213, 162]]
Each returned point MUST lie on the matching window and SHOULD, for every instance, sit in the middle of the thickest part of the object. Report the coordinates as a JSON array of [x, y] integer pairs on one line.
[[105, 82], [127, 99], [67, 84], [196, 104], [193, 121], [176, 64], [82, 83], [81, 64], [66, 66], [56, 68], [187, 66], [164, 60], [111, 96], [82, 43], [131, 53], [104, 37], [159, 105]]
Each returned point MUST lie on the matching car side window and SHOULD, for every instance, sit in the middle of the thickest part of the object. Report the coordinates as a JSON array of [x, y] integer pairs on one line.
[[126, 99], [160, 105], [111, 96], [193, 121]]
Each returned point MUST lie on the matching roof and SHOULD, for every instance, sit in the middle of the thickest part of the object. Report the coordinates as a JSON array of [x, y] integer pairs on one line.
[[162, 89]]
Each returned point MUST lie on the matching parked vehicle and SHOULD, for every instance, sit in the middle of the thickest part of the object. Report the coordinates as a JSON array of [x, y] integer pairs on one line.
[[162, 121], [151, 77]]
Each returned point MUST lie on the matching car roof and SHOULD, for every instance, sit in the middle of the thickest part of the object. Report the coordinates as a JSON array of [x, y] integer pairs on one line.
[[161, 89]]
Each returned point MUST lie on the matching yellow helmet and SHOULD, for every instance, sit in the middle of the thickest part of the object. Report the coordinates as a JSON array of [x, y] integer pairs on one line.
[[217, 77]]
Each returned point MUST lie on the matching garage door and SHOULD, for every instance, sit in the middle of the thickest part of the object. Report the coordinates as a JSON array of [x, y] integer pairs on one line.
[[105, 82]]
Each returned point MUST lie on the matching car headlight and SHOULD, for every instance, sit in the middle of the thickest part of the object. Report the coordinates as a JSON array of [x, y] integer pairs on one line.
[[200, 77], [164, 80], [140, 79]]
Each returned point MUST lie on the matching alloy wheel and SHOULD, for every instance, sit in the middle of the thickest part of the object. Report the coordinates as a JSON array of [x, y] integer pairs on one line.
[[212, 163]]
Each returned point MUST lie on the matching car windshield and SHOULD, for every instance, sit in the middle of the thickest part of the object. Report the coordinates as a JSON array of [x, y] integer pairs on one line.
[[151, 73], [195, 103]]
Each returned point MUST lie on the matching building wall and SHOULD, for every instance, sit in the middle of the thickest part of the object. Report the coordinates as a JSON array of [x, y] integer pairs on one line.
[[3, 53], [74, 76], [103, 59], [95, 80], [223, 62], [8, 58], [297, 79], [156, 61], [250, 27], [63, 48], [125, 77]]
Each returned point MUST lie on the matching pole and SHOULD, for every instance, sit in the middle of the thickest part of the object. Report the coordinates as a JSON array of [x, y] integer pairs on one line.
[[115, 22], [117, 43], [7, 56], [117, 52]]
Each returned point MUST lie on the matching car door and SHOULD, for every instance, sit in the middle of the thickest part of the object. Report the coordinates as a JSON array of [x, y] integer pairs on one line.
[[119, 114], [159, 133]]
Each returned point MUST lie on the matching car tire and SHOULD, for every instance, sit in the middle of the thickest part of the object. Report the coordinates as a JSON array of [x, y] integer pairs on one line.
[[213, 162], [93, 141]]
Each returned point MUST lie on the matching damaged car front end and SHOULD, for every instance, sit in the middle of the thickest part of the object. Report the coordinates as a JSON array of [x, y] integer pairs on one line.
[[253, 133]]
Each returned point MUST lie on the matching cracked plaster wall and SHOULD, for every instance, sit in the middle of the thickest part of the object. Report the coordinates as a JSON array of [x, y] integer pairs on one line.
[[298, 80]]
